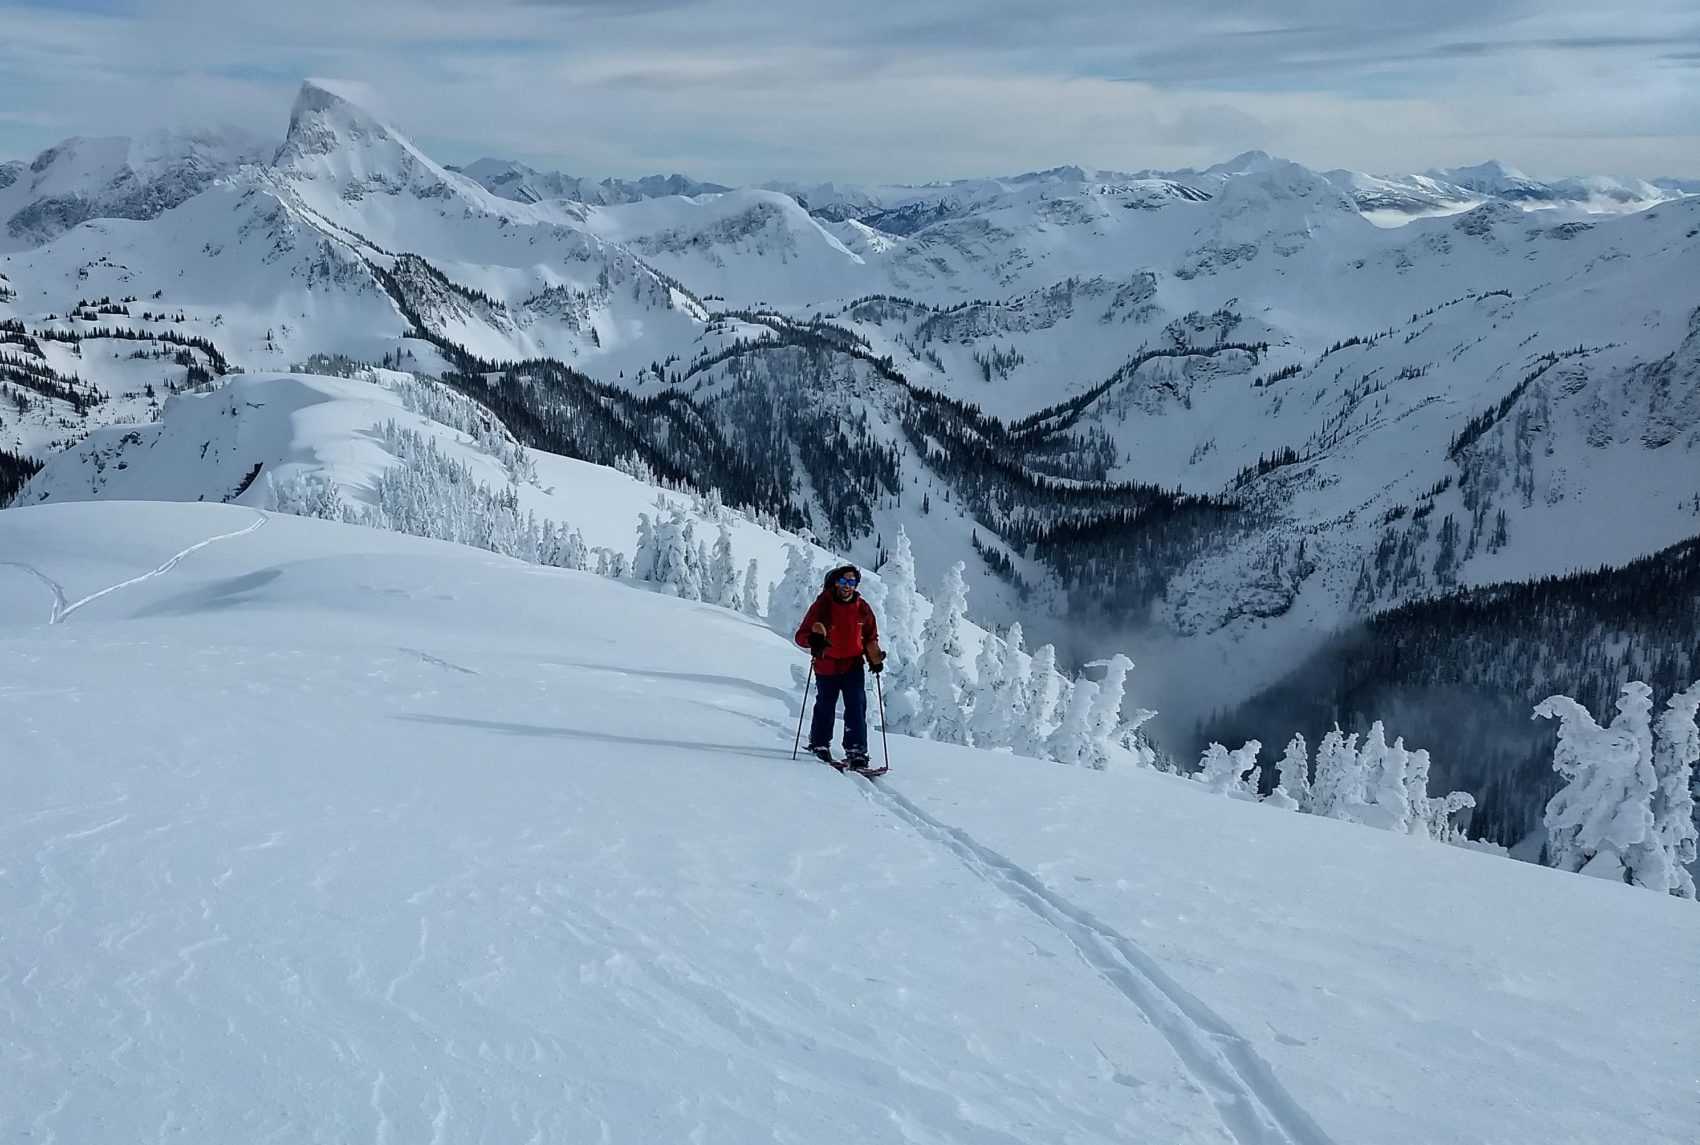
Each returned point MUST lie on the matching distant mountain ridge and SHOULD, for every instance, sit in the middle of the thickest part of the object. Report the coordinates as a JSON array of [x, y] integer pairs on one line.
[[137, 177]]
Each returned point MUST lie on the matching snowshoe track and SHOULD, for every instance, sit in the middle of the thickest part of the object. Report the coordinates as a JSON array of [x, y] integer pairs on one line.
[[1253, 1105]]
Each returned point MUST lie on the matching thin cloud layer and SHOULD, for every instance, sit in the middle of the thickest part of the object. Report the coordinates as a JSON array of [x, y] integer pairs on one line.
[[746, 90]]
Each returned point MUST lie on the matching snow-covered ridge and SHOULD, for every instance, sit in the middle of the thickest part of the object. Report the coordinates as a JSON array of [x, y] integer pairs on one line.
[[113, 178]]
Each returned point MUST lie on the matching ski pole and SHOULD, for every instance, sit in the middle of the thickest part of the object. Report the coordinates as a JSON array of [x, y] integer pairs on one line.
[[885, 744], [807, 684]]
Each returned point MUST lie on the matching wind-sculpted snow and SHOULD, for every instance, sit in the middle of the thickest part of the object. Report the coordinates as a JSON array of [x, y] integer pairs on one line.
[[323, 833]]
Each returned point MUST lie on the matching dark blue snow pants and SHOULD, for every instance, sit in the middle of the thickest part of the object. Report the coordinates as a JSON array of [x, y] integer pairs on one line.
[[853, 687]]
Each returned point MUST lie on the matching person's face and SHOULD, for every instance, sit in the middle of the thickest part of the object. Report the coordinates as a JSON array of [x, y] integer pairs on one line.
[[844, 587]]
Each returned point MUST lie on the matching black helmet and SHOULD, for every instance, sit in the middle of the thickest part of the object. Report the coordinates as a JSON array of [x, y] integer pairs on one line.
[[841, 570]]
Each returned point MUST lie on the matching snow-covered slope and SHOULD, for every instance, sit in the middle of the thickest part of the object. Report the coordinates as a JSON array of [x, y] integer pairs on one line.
[[320, 833], [1245, 333], [237, 443]]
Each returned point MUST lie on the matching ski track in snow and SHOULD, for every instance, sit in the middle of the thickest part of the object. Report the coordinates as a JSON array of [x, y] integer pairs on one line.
[[53, 586], [62, 609], [160, 571], [1253, 1105]]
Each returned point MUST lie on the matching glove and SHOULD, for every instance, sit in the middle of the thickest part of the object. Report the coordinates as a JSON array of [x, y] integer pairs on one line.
[[877, 666], [817, 645]]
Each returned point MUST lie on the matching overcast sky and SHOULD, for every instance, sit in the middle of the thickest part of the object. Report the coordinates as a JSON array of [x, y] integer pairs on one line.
[[892, 90]]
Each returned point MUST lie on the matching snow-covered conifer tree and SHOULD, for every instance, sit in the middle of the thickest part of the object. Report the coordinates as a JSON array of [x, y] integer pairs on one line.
[[1293, 780], [1440, 811], [1385, 802], [1676, 750], [997, 729], [676, 557], [900, 636], [983, 719], [943, 677], [1601, 822], [307, 495], [573, 553], [1359, 802], [748, 601], [1338, 781], [644, 556], [1225, 772], [722, 584], [1105, 717], [790, 598], [1038, 703], [1071, 743], [1416, 793]]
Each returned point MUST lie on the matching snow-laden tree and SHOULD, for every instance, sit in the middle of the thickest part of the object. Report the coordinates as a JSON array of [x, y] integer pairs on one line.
[[429, 493], [644, 556], [1386, 801], [1292, 780], [1676, 751], [1338, 781], [1071, 742], [1416, 793], [1439, 812], [1230, 772], [721, 586], [307, 495], [1135, 749], [1601, 822], [943, 677], [899, 616], [790, 598], [900, 620], [995, 727], [984, 718], [1105, 717], [748, 601], [700, 561], [572, 553], [678, 561], [1032, 730]]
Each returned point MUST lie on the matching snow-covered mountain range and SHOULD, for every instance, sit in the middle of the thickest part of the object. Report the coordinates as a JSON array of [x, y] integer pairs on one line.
[[1209, 415]]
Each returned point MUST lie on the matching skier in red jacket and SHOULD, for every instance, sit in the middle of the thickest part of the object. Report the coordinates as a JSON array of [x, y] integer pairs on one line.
[[840, 633]]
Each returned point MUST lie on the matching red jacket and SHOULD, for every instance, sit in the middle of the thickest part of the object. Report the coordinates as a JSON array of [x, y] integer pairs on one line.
[[851, 633]]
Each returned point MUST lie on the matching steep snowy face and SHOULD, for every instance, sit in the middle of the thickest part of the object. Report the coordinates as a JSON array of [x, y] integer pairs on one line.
[[119, 177], [332, 141]]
